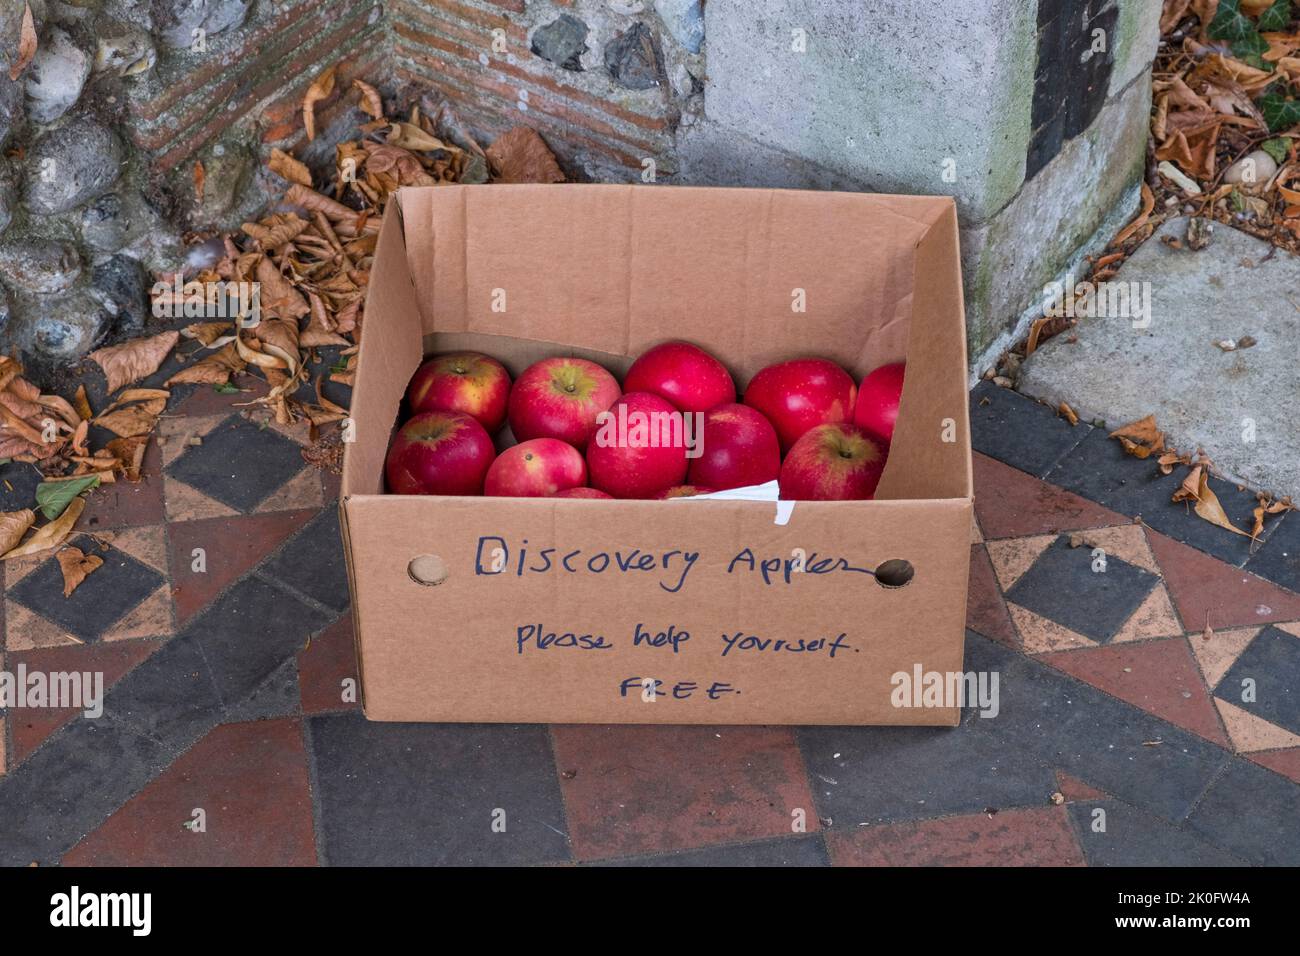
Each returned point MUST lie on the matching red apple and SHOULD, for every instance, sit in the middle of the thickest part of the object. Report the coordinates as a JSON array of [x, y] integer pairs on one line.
[[639, 448], [684, 491], [536, 468], [834, 462], [581, 493], [685, 374], [439, 453], [468, 382], [801, 394], [560, 398], [738, 447], [878, 398]]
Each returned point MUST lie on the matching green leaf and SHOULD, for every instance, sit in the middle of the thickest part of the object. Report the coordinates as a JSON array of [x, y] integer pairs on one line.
[[1238, 201], [226, 388], [1251, 50], [1275, 18], [5, 461], [52, 497], [1230, 23], [1280, 112], [1278, 148]]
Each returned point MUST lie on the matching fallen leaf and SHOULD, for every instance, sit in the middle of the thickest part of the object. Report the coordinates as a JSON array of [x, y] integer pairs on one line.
[[50, 535], [130, 452], [76, 567], [215, 369], [371, 102], [520, 155], [1069, 413], [1141, 438], [54, 496], [26, 44], [1148, 204], [209, 333], [134, 360], [1196, 487], [284, 165], [82, 404], [13, 525], [200, 179], [320, 88]]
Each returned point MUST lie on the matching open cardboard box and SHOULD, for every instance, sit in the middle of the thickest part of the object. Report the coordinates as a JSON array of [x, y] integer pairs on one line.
[[604, 272]]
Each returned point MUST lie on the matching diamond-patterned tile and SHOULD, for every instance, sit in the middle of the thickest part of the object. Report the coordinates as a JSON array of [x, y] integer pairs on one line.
[[250, 782], [1264, 680], [986, 612], [101, 603], [1066, 586], [1161, 677], [217, 466], [1010, 503], [1285, 762]]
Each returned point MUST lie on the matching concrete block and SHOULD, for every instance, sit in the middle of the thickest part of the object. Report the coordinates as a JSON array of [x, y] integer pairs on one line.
[[1237, 405], [1136, 44], [883, 93]]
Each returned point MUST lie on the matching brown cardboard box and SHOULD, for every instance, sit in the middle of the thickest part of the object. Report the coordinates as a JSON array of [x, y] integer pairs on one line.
[[522, 272]]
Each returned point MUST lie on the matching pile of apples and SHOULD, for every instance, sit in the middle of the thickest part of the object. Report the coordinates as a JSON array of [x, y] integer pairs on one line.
[[804, 422]]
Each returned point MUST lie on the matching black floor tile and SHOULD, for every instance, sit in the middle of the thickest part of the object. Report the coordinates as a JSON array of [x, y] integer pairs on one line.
[[99, 602], [886, 774], [427, 794], [18, 481], [1019, 431], [249, 632], [169, 695], [1100, 470], [81, 775], [1062, 586], [278, 697], [239, 463], [1133, 838], [1252, 812], [313, 562], [807, 850], [1279, 559], [1271, 662]]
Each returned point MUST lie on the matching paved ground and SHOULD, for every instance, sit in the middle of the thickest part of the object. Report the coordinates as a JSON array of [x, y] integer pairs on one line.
[[1238, 405], [226, 696]]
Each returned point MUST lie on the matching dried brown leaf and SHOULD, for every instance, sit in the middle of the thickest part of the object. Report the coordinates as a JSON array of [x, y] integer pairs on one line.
[[130, 452], [13, 525], [1142, 438], [320, 89], [50, 535], [76, 567], [285, 166], [26, 44], [520, 155], [214, 369], [371, 102], [134, 360]]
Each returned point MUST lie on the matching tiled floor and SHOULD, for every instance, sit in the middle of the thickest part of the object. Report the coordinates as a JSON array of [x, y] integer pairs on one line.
[[1127, 735]]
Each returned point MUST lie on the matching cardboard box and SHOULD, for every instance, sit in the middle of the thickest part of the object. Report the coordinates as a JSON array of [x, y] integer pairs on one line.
[[604, 272]]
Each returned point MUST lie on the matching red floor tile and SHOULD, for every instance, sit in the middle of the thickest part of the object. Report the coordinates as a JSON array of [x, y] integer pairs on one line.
[[31, 726], [986, 612], [1159, 676], [1075, 790], [1285, 762], [1036, 837], [324, 664], [251, 782], [1010, 503], [231, 546], [206, 400], [638, 789], [1206, 590], [128, 504]]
